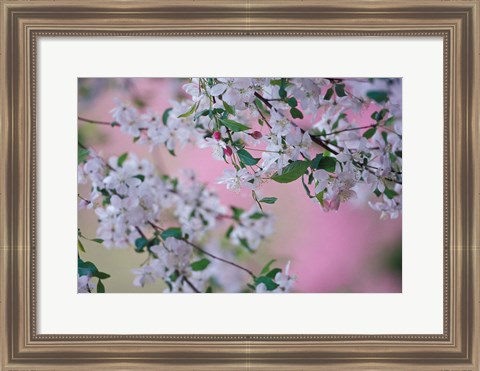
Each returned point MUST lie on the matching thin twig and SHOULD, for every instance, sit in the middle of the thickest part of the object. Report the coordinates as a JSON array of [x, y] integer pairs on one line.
[[206, 252], [316, 140], [94, 121], [192, 286]]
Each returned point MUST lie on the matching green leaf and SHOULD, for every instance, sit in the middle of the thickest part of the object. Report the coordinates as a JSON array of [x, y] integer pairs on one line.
[[209, 290], [266, 268], [165, 115], [273, 273], [233, 125], [174, 232], [257, 215], [97, 240], [103, 275], [292, 102], [86, 268], [269, 200], [237, 212], [200, 265], [140, 244], [340, 90], [173, 277], [292, 172], [328, 94], [276, 82], [244, 243], [382, 114], [229, 108], [247, 158], [82, 154], [267, 281], [390, 121], [80, 246], [390, 193], [121, 159], [282, 92], [229, 231], [370, 132], [140, 176], [204, 112], [319, 197], [100, 287], [189, 112], [378, 96], [296, 113], [322, 162]]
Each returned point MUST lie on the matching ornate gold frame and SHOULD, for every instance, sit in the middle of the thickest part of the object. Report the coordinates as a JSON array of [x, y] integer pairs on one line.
[[23, 22]]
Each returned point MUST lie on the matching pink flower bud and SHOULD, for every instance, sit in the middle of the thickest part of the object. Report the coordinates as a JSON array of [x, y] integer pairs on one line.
[[217, 135], [256, 135], [228, 151]]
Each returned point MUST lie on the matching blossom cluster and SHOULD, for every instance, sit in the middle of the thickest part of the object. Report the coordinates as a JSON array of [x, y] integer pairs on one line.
[[166, 218], [286, 129]]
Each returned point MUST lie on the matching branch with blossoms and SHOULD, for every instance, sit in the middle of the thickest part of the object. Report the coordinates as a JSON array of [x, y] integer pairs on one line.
[[266, 129], [132, 200]]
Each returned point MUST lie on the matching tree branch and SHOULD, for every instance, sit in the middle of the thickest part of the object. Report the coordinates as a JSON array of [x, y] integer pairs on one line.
[[206, 252]]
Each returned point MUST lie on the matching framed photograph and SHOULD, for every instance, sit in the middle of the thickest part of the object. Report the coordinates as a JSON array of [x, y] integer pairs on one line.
[[240, 185]]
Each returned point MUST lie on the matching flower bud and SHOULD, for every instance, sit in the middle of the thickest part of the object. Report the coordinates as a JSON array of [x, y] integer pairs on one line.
[[217, 135], [228, 151], [256, 135]]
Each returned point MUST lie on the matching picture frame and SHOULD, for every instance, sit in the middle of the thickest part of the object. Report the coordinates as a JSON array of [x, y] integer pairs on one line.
[[25, 22]]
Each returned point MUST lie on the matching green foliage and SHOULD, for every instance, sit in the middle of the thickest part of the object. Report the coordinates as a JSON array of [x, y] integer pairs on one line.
[[269, 200], [292, 172], [319, 196], [165, 115], [204, 112], [90, 269], [267, 281], [189, 112], [370, 132], [378, 96], [80, 246], [247, 158], [328, 94], [340, 90], [266, 268], [121, 159], [200, 265], [82, 154], [257, 215], [100, 287], [390, 193], [282, 92], [237, 212], [234, 125], [230, 110], [296, 113], [140, 244], [323, 162], [390, 121], [103, 275], [174, 232], [292, 102], [273, 273]]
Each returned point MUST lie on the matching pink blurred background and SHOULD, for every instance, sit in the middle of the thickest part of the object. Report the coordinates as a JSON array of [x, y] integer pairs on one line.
[[351, 250]]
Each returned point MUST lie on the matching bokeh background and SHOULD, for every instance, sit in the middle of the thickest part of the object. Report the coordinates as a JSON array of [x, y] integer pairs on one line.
[[351, 250]]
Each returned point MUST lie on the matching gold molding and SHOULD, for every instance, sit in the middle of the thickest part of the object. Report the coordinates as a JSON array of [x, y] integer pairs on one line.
[[23, 22]]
